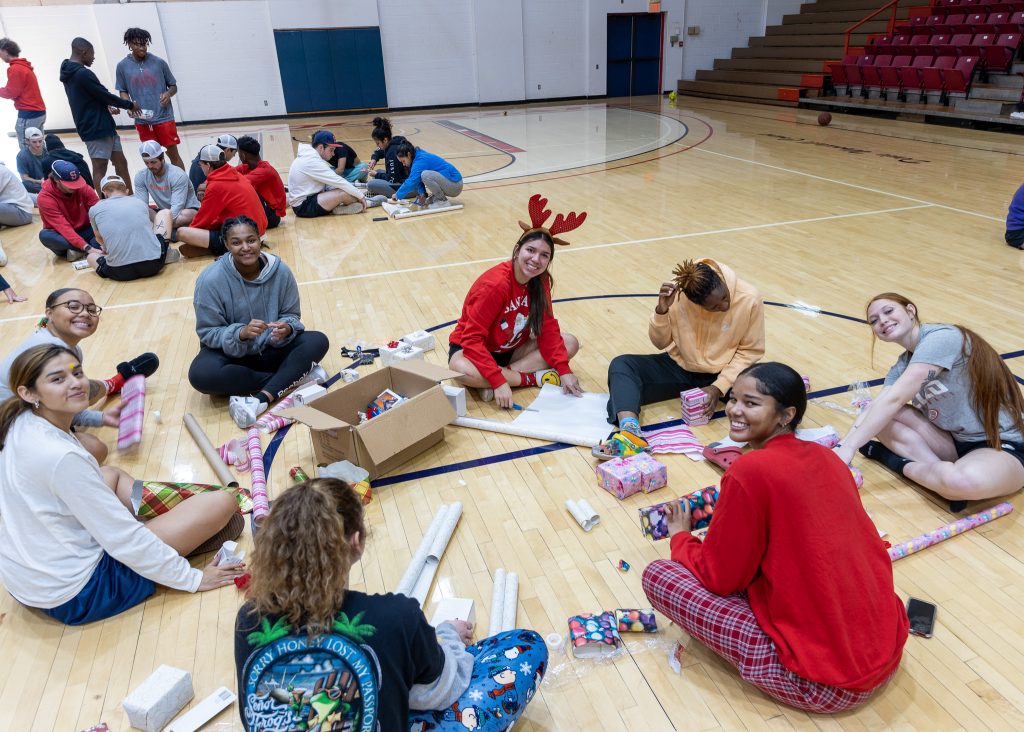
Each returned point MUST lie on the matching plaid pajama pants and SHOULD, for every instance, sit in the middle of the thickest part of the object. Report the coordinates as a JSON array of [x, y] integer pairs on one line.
[[728, 627]]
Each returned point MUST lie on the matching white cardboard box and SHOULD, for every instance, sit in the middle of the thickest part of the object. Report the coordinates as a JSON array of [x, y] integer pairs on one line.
[[402, 352], [308, 393], [420, 339], [457, 398], [156, 700]]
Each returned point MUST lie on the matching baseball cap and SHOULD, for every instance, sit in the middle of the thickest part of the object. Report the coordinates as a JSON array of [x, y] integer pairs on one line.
[[33, 133], [324, 137], [211, 153], [68, 174], [112, 178], [249, 145], [151, 149], [225, 141]]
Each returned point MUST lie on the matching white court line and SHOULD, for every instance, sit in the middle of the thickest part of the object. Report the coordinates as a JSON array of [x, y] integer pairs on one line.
[[849, 185], [567, 252]]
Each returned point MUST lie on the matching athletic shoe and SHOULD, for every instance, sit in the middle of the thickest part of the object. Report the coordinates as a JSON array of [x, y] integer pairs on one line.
[[245, 410], [317, 374], [439, 203], [73, 255], [231, 531], [145, 364], [485, 395], [547, 376], [374, 201], [3, 256], [173, 255], [344, 209]]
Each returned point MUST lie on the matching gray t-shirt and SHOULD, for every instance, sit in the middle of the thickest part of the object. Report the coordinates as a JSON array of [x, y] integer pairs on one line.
[[945, 397], [174, 191], [30, 164], [123, 222], [145, 81]]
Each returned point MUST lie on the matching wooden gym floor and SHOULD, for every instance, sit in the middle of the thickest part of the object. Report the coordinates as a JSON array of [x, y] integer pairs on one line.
[[822, 217]]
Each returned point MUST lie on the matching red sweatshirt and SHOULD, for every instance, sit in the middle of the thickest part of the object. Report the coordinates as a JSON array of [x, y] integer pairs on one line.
[[23, 87], [228, 194], [791, 532], [494, 320], [268, 184], [64, 212]]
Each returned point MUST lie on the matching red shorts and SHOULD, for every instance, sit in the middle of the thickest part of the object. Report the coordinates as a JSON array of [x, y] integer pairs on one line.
[[166, 133]]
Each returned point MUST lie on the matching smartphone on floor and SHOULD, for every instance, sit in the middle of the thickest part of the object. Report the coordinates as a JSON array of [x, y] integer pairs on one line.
[[922, 617]]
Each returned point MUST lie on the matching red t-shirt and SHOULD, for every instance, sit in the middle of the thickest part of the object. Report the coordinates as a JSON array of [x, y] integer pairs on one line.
[[494, 320], [790, 531], [268, 184]]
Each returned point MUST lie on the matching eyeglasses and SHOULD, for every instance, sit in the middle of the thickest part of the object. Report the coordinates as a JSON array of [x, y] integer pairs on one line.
[[76, 307]]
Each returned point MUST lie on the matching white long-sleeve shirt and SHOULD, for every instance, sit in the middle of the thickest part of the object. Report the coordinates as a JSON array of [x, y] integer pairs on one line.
[[309, 174], [57, 517]]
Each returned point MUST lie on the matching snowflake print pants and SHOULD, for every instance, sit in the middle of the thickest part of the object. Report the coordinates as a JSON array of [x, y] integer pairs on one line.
[[509, 668]]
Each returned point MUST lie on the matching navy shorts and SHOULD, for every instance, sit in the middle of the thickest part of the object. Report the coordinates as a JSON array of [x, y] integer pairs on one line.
[[1014, 449], [310, 208], [503, 359], [112, 589]]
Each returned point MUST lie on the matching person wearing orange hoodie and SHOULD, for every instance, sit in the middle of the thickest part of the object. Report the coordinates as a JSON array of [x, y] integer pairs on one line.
[[23, 89], [228, 194], [708, 337]]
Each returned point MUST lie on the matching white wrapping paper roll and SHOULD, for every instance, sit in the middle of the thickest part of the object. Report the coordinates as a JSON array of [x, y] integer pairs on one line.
[[437, 548], [584, 513], [497, 600], [510, 601], [415, 568], [507, 428]]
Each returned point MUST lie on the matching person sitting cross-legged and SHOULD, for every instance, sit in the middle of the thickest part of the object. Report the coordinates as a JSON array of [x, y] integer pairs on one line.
[[166, 184], [64, 204], [314, 188], [30, 160], [16, 203], [264, 178]]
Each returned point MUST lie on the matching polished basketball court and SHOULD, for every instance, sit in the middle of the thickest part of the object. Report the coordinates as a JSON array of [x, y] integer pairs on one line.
[[818, 218]]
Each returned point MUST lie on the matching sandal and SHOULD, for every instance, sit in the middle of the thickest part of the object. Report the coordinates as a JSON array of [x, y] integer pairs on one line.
[[620, 444], [722, 455]]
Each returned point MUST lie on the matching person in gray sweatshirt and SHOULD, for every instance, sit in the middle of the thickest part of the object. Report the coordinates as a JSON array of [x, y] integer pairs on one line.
[[253, 345]]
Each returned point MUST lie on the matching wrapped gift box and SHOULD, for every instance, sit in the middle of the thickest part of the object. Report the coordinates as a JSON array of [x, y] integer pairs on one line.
[[619, 477], [693, 402], [654, 475]]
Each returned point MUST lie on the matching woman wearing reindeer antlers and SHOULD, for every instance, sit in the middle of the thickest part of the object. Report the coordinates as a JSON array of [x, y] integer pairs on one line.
[[708, 337], [507, 335]]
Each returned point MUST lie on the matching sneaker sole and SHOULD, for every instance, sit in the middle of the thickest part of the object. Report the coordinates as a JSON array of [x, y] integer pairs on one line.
[[236, 412]]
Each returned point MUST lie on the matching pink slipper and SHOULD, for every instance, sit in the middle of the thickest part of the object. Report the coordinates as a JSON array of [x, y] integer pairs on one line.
[[722, 455]]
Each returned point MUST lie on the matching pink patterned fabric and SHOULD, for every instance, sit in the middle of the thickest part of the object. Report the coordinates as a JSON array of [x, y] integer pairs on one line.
[[728, 627], [674, 439], [133, 410]]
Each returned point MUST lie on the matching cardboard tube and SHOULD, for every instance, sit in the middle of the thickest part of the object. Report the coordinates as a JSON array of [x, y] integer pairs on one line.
[[508, 428], [415, 568], [589, 512], [510, 602], [260, 502], [584, 514], [224, 476], [898, 551], [497, 600]]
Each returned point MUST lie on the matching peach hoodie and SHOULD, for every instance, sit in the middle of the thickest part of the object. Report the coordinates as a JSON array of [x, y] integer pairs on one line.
[[707, 342]]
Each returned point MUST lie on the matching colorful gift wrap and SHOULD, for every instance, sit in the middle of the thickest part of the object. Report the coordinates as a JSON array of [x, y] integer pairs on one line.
[[159, 497], [298, 474], [271, 421], [654, 475], [133, 409], [593, 635], [702, 505], [619, 477], [633, 620], [386, 400], [858, 477], [898, 551], [364, 491], [693, 402]]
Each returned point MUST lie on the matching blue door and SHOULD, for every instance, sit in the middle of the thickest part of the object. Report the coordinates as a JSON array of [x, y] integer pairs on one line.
[[634, 54]]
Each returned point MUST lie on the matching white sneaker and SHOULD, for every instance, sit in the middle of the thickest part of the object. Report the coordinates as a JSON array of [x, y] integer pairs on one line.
[[173, 255], [346, 209], [3, 256], [485, 395], [245, 410], [317, 374]]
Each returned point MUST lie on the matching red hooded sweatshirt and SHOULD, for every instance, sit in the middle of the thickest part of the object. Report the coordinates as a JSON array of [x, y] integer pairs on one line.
[[228, 194], [65, 212], [23, 87], [268, 184]]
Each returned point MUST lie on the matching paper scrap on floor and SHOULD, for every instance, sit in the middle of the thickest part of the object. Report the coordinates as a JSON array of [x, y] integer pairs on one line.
[[585, 416]]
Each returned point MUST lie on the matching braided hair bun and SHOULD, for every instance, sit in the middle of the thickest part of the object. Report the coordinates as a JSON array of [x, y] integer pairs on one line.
[[696, 280]]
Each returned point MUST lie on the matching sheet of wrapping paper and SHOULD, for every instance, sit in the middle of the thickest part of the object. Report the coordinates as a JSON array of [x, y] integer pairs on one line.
[[260, 502]]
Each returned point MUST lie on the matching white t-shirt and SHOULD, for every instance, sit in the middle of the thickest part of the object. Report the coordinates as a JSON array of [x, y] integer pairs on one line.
[[57, 517]]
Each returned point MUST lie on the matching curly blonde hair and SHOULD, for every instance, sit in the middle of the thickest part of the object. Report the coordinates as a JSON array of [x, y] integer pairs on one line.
[[304, 554]]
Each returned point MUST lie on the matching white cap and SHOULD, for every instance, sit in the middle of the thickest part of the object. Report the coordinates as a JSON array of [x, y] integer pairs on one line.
[[211, 153], [33, 133], [112, 178], [226, 141], [151, 149]]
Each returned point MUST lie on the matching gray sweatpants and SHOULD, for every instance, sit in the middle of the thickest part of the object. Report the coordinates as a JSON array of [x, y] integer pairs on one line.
[[11, 215], [440, 187], [23, 122]]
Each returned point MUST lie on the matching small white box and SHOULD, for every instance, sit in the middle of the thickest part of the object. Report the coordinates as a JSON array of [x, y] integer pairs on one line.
[[308, 393], [229, 553], [203, 712], [403, 352], [156, 700], [420, 339], [454, 608], [457, 398]]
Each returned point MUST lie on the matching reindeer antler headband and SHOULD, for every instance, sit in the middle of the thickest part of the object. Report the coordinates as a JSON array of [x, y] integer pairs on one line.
[[562, 224]]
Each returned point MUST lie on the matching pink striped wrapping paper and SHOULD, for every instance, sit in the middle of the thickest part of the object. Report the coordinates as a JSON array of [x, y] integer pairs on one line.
[[260, 502], [133, 410], [272, 421], [674, 439], [235, 453]]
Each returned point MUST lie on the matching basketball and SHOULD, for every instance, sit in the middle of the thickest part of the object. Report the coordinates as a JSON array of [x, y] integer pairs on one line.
[[824, 119]]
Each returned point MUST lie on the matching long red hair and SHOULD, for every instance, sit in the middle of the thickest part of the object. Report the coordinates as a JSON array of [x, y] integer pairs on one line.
[[993, 387]]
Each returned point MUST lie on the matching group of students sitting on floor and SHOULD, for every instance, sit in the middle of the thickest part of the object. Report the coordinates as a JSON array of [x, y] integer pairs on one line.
[[791, 584]]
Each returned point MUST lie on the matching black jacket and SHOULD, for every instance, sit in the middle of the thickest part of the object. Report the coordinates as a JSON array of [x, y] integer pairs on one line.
[[55, 150], [89, 100], [394, 172]]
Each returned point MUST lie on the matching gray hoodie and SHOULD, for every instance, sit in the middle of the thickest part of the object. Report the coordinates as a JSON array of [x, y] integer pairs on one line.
[[225, 302]]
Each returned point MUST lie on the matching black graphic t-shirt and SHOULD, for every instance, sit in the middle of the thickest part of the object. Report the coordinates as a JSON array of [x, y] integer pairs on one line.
[[355, 678], [343, 152]]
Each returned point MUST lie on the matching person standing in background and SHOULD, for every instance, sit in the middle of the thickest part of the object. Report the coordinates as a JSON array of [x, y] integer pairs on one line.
[[23, 89]]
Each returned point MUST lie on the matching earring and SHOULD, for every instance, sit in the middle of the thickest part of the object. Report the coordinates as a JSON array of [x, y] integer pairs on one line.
[[36, 405]]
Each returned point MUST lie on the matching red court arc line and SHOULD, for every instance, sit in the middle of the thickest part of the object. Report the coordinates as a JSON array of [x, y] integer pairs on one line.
[[480, 137]]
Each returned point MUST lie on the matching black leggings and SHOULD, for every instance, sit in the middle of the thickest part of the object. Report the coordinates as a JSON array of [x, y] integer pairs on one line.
[[636, 380], [273, 371]]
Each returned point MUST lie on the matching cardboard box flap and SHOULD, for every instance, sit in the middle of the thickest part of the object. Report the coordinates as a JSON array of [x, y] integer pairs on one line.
[[314, 418], [398, 428], [426, 370]]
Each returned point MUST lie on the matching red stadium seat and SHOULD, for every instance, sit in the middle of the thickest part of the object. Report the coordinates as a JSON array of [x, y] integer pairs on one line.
[[1000, 55], [839, 77], [958, 79], [958, 45], [890, 77], [910, 76], [854, 72], [870, 75], [1015, 24], [912, 44], [931, 77]]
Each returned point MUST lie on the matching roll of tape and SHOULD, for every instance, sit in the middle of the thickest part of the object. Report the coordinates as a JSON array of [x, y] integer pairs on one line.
[[554, 641]]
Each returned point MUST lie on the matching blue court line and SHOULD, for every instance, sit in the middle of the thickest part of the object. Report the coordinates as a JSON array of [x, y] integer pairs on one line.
[[271, 451]]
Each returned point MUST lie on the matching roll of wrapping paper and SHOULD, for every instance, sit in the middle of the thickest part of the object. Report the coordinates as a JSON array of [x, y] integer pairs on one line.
[[509, 428], [224, 476], [272, 421], [260, 502], [510, 602], [898, 551], [133, 409], [298, 474], [415, 568], [437, 549], [497, 600]]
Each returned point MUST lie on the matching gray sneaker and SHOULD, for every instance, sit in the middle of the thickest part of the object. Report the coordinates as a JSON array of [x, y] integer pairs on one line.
[[173, 255], [345, 209], [3, 256], [244, 410], [317, 374], [73, 255], [374, 201]]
